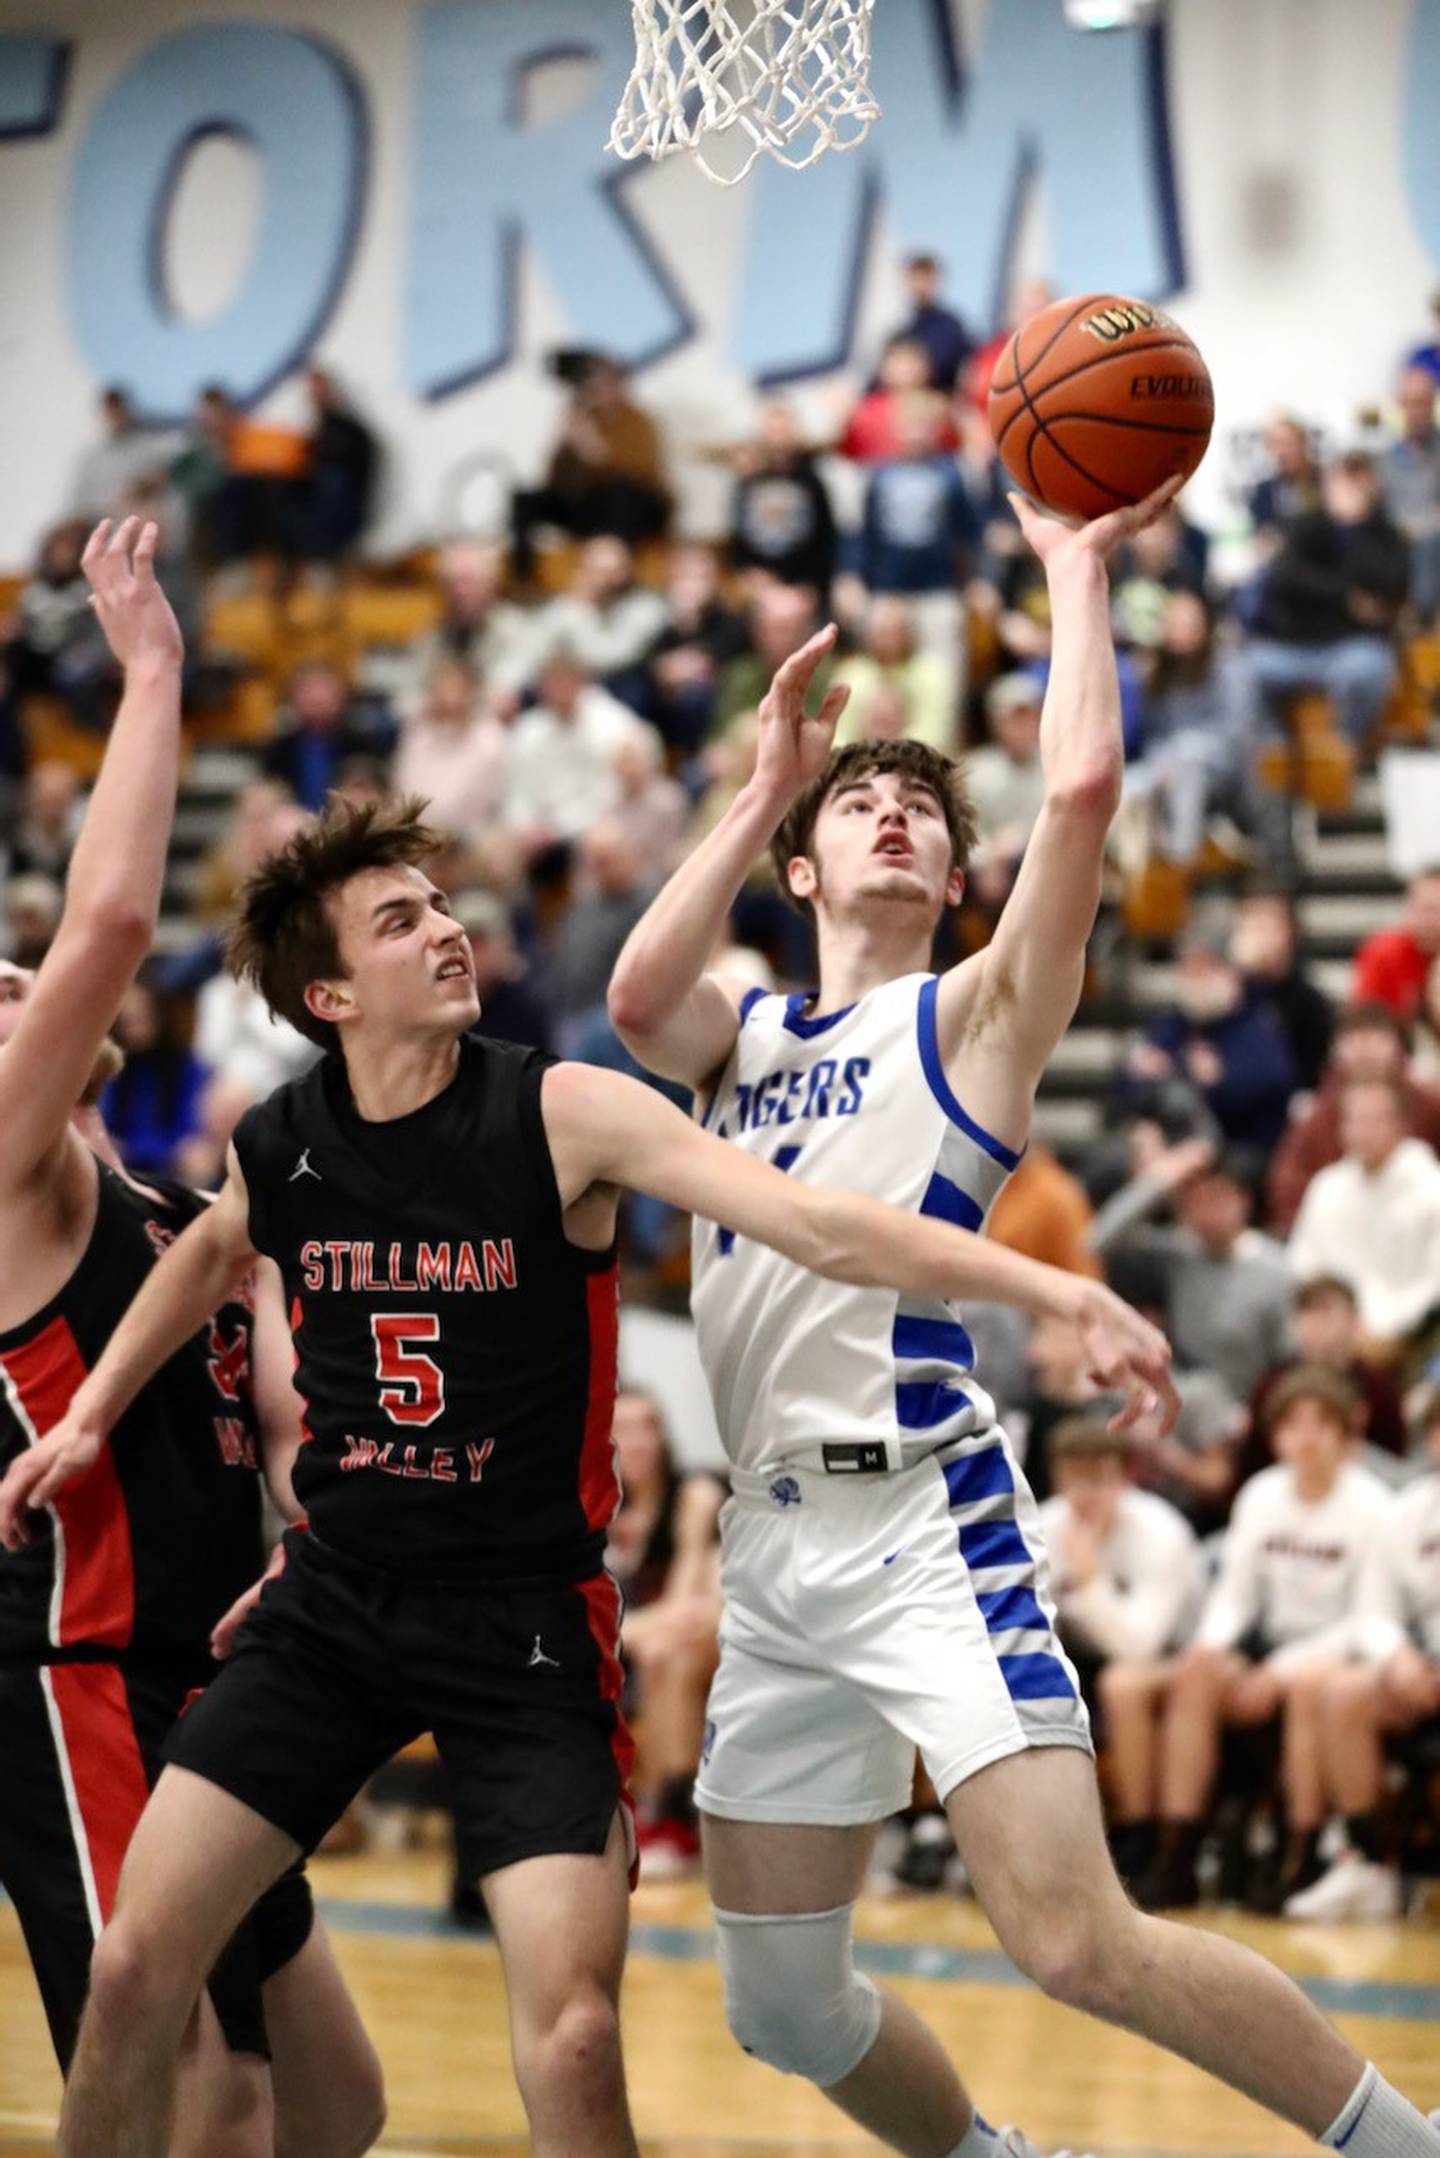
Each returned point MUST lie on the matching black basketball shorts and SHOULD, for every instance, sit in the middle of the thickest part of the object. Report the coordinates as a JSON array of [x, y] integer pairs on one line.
[[340, 1666], [83, 1747]]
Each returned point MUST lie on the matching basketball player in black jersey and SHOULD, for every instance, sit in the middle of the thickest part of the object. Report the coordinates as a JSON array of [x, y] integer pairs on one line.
[[105, 1617], [442, 1209]]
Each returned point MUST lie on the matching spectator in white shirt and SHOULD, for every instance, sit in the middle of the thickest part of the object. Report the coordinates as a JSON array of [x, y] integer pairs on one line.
[[494, 637], [241, 1041], [1392, 1688], [606, 619], [562, 775], [1278, 1620], [453, 750], [1373, 1217]]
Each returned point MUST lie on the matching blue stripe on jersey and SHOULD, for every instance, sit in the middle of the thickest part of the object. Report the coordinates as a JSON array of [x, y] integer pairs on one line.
[[1036, 1678], [934, 1070], [1012, 1610], [795, 1021], [986, 1544], [748, 1002], [947, 1202], [921, 1404], [983, 1475], [942, 1339]]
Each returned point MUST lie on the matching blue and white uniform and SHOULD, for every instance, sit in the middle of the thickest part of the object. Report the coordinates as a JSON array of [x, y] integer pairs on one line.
[[885, 1581]]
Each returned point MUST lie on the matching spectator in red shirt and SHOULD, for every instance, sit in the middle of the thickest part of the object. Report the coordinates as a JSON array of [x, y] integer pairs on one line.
[[1391, 966], [1370, 1043], [874, 432]]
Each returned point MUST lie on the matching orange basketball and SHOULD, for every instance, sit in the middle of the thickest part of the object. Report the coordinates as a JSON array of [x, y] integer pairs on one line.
[[1097, 401]]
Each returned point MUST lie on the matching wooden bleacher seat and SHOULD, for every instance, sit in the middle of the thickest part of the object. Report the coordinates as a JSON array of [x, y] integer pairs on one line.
[[53, 737], [1325, 768], [1157, 900], [247, 624], [376, 614]]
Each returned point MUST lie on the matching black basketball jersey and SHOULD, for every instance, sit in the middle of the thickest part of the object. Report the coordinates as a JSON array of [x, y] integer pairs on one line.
[[455, 1353], [147, 1549]]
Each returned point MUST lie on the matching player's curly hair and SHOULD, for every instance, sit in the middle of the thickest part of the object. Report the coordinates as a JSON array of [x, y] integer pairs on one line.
[[943, 776], [284, 935]]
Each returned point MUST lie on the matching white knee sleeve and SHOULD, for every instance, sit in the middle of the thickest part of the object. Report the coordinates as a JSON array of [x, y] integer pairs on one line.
[[793, 1996]]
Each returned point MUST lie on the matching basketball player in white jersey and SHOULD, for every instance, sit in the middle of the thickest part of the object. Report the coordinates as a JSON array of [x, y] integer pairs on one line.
[[885, 1583]]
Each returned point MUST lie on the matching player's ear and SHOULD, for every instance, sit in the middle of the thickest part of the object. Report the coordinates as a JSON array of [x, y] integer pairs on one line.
[[801, 876], [331, 1001], [955, 887]]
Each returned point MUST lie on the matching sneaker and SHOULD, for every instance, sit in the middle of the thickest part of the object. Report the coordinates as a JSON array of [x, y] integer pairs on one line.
[[1014, 2144], [928, 1851], [669, 1849], [1355, 1887]]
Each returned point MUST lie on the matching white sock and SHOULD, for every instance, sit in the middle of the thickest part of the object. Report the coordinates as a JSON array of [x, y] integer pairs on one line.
[[980, 2140], [1376, 2122]]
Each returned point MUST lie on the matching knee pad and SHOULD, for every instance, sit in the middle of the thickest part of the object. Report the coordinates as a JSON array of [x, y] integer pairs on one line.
[[793, 1997]]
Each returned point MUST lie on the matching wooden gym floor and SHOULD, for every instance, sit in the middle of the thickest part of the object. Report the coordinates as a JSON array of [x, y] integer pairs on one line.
[[433, 2000]]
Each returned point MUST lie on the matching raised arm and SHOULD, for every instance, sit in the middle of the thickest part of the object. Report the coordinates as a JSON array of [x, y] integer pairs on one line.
[[1011, 1005], [605, 1129], [675, 1018], [193, 1278], [112, 894]]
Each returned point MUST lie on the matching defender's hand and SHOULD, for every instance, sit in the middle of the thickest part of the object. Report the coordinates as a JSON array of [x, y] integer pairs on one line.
[[36, 1476], [1057, 542], [794, 748], [139, 624], [1127, 1355]]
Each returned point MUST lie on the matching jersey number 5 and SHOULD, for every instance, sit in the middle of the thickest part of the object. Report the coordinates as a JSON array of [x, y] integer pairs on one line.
[[412, 1389]]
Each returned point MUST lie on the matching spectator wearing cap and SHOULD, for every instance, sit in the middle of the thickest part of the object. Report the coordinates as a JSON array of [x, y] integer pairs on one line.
[[1223, 1038], [1410, 478], [946, 342], [1265, 946], [1373, 1217], [452, 751], [1331, 600], [1391, 965], [511, 1007], [896, 689], [561, 773], [1370, 1043], [781, 516]]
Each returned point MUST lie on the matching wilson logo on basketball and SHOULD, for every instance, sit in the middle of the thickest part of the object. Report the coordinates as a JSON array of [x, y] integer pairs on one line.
[[1113, 323]]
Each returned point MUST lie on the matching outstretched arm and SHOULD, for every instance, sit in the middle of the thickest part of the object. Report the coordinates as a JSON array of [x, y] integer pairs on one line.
[[113, 891], [675, 1018], [1021, 994], [605, 1129], [192, 1280]]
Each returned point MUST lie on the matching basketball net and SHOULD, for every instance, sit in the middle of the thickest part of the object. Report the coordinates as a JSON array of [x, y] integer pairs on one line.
[[791, 75]]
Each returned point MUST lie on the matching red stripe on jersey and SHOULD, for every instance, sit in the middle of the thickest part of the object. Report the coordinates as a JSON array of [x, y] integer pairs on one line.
[[599, 1484], [106, 1771], [602, 1616], [97, 1604], [297, 1313]]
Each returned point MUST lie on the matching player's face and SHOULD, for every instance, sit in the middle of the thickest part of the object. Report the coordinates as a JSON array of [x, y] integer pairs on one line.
[[410, 967], [1308, 1440], [881, 841], [1092, 1488]]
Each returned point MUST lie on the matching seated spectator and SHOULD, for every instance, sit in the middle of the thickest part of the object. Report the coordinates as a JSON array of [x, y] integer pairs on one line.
[[1201, 729], [614, 888], [1392, 1689], [452, 751], [1331, 601], [702, 634], [1127, 1579], [1373, 1217], [153, 1105], [127, 451], [1223, 1038], [653, 810], [1166, 557], [1003, 776], [1265, 946], [896, 689], [664, 1551], [919, 532], [873, 433], [55, 641], [32, 916], [239, 1040], [607, 621], [1369, 1043], [1291, 489], [492, 636], [50, 810], [946, 341], [1043, 1212], [781, 519], [263, 816], [318, 729], [1391, 965], [337, 493], [1226, 1297], [200, 476], [1410, 481], [606, 473], [782, 618], [511, 1009], [1325, 1323], [561, 776], [1278, 1620]]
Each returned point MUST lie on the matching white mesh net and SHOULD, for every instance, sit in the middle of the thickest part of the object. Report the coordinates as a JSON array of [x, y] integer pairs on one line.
[[791, 75]]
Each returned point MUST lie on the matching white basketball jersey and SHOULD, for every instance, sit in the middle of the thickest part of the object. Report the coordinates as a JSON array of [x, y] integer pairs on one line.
[[814, 1372]]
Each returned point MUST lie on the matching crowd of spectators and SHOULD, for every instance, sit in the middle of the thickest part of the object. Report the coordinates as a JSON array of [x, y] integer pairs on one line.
[[583, 707]]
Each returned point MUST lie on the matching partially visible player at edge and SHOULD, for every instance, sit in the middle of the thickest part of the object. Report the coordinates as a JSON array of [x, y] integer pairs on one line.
[[106, 1618], [443, 1212], [900, 1601]]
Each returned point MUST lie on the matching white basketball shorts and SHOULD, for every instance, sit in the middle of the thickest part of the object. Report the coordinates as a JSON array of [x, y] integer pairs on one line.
[[871, 1616]]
